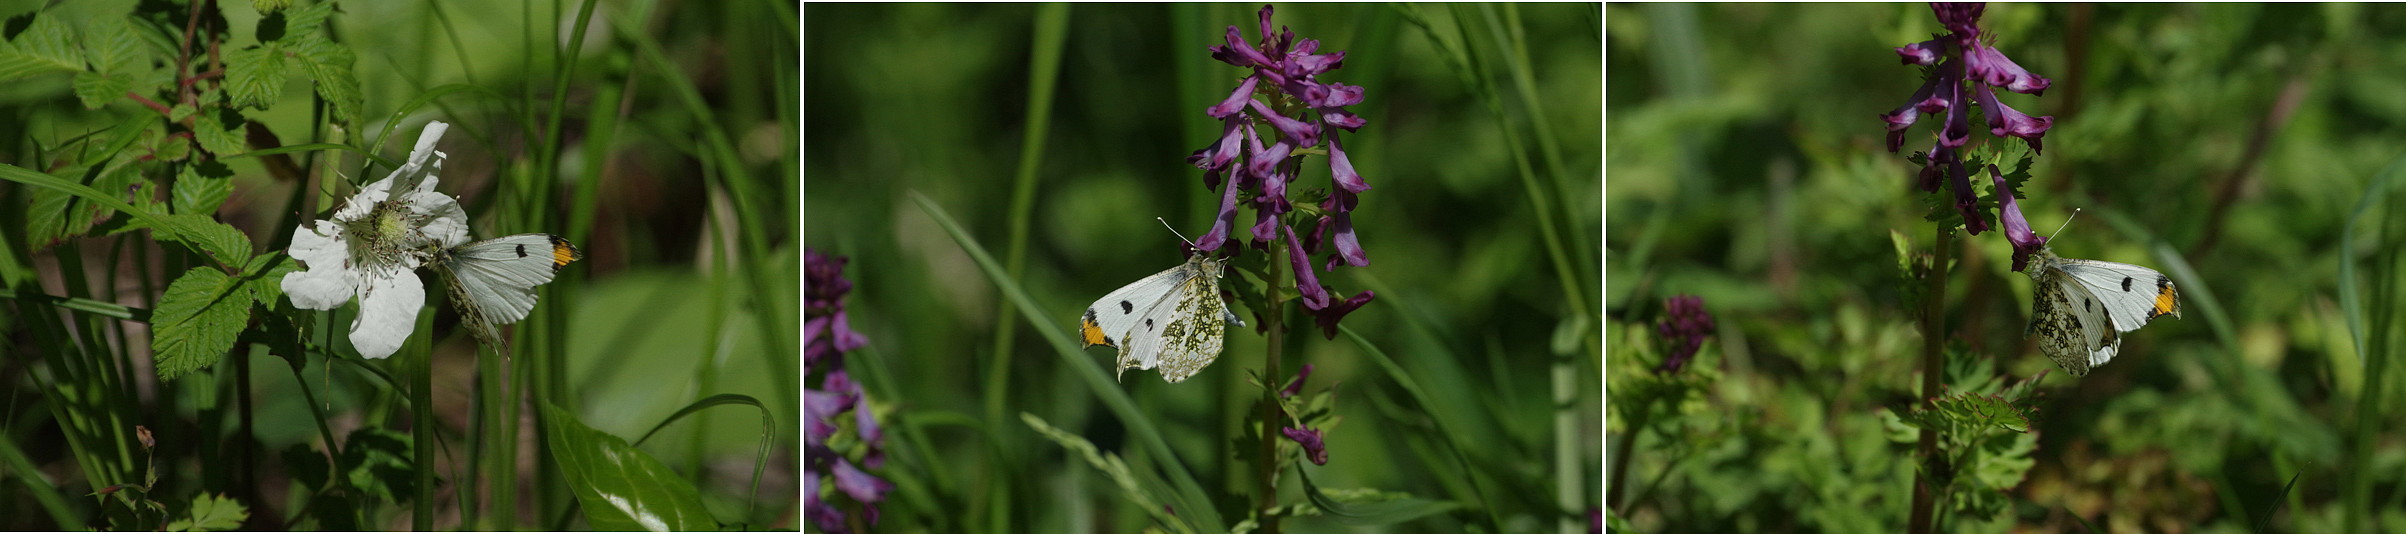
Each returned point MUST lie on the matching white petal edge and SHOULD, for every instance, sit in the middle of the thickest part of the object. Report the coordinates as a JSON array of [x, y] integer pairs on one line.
[[388, 311], [449, 225], [327, 283]]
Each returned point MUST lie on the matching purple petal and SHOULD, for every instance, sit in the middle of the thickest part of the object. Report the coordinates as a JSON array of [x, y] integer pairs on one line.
[[1349, 245], [845, 338], [1297, 385], [1965, 200], [1219, 153], [1933, 170], [1963, 18], [1314, 296], [1923, 53], [1312, 445], [2017, 228], [865, 422], [1290, 130], [1342, 119], [1318, 235], [1265, 166], [1958, 130], [1308, 64], [861, 486], [1340, 168], [2004, 121], [1991, 66], [1241, 53], [1327, 318], [1904, 116], [1236, 101], [819, 408], [1222, 222], [1265, 21], [1265, 223], [1339, 95]]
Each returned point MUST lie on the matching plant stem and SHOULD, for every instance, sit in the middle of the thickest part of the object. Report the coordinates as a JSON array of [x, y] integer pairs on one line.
[[1620, 458], [1266, 470], [1933, 338]]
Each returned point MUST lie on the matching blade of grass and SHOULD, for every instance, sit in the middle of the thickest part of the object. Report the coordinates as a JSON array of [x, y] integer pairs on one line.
[[15, 462], [1191, 499], [1044, 72], [1453, 437]]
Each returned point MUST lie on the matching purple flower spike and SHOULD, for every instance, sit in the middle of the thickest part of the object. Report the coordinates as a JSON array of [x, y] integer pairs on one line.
[[827, 334], [1290, 131], [2017, 228], [1236, 99], [1297, 384], [1685, 326], [1327, 318], [1310, 440], [1963, 18]]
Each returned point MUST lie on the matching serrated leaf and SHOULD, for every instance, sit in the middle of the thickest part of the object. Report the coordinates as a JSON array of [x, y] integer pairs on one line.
[[329, 63], [46, 220], [197, 320], [206, 236], [266, 275], [220, 132], [303, 23], [202, 187], [211, 513], [95, 89], [255, 76], [113, 46], [46, 46], [620, 487]]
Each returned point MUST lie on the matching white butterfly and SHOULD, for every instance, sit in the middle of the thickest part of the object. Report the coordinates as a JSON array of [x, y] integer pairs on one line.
[[1171, 320], [2080, 308], [493, 281]]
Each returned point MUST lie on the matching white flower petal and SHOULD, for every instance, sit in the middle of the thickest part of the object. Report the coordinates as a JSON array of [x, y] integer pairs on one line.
[[328, 282], [360, 204], [447, 222], [388, 311], [418, 174]]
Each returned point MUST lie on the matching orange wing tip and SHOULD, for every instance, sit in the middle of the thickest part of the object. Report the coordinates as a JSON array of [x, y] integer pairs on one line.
[[1090, 333], [562, 252], [2167, 302]]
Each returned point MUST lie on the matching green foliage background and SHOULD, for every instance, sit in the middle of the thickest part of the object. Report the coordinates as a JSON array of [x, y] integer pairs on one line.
[[932, 100], [2228, 145]]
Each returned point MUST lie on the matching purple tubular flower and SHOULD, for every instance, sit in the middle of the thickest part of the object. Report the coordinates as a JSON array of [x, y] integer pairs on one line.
[[1340, 169], [1222, 222], [1965, 200], [1963, 18], [1993, 68], [1290, 131], [862, 486], [1904, 116], [1217, 156], [2003, 121], [1923, 53], [1327, 318], [1314, 297], [1310, 440], [819, 408], [1684, 327], [826, 332], [1297, 384], [1349, 246], [2017, 228], [1236, 99]]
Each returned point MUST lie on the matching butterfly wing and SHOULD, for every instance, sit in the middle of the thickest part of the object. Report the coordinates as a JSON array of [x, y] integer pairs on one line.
[[1182, 333], [2132, 295], [2072, 327], [496, 278], [1108, 319]]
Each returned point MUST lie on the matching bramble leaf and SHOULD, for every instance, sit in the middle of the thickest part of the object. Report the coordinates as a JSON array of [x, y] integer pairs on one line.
[[211, 513], [47, 46], [255, 75], [202, 187], [197, 320]]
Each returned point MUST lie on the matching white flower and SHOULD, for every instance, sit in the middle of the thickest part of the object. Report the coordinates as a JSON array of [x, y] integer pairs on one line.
[[373, 247]]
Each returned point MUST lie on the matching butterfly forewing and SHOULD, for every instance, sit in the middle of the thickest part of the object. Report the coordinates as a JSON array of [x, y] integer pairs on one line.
[[2132, 295], [1182, 334]]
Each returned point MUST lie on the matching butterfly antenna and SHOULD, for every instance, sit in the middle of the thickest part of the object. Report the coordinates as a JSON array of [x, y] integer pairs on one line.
[[2067, 221], [1181, 237]]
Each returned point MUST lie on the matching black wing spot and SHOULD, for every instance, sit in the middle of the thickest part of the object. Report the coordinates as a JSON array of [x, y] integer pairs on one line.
[[522, 254], [2088, 305], [1125, 307], [2125, 283], [1148, 325]]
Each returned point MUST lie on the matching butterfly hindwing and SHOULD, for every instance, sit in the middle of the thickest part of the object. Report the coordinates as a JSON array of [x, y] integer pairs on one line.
[[494, 280], [1183, 333]]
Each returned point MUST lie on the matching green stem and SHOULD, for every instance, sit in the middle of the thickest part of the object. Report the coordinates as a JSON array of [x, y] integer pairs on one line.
[[1933, 332], [1620, 459], [1266, 469]]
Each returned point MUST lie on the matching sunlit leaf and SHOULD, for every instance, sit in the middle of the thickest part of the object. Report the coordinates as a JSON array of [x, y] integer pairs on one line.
[[197, 320], [211, 513], [621, 488], [255, 75]]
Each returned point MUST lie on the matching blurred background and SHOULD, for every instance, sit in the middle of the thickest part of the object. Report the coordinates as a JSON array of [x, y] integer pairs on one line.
[[2228, 145], [1467, 160]]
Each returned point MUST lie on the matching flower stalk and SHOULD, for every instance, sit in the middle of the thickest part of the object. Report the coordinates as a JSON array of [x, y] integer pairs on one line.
[[1933, 341], [1266, 471]]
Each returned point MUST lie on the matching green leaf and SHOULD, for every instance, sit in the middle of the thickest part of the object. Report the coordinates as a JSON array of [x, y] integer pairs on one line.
[[206, 236], [255, 75], [96, 89], [211, 513], [621, 488], [220, 132], [197, 320], [303, 24], [330, 64], [47, 46], [1364, 508], [46, 221], [202, 187], [266, 277], [376, 462]]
